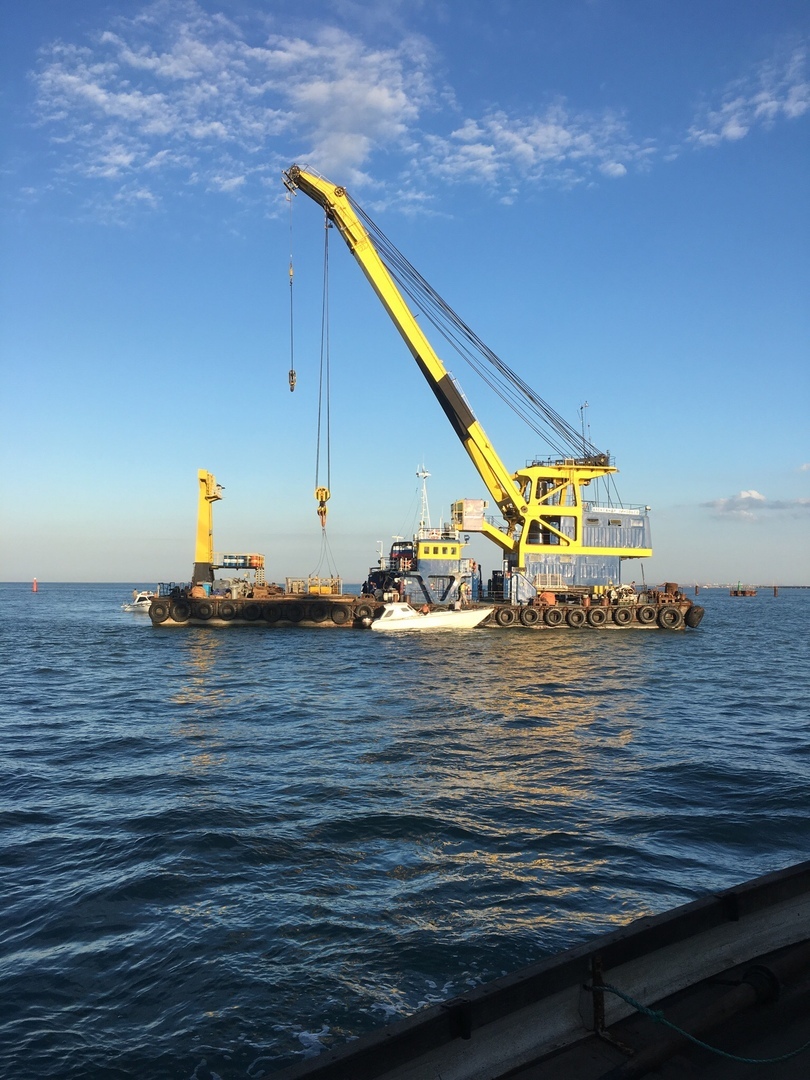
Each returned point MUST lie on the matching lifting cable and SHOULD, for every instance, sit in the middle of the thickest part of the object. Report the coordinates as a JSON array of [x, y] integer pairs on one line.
[[562, 437], [322, 492], [291, 376]]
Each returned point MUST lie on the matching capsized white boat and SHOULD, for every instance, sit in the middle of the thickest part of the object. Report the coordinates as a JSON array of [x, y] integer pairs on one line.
[[141, 599], [401, 616]]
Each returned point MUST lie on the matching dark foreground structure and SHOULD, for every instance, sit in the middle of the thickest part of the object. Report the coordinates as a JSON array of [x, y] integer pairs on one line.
[[731, 971]]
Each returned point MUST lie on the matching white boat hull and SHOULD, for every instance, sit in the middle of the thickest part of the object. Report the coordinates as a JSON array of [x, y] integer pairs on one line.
[[402, 617]]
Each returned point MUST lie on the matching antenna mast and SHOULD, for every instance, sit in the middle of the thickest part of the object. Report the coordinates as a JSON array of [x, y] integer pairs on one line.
[[424, 511]]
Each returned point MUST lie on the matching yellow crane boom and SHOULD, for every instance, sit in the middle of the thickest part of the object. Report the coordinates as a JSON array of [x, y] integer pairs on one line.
[[209, 493], [542, 504]]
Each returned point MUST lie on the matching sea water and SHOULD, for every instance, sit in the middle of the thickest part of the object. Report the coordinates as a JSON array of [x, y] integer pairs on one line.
[[223, 850]]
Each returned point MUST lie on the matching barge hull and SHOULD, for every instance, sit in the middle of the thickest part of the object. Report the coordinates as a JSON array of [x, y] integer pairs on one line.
[[351, 612]]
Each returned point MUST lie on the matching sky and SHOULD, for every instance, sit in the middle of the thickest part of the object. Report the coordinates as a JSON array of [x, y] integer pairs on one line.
[[612, 194]]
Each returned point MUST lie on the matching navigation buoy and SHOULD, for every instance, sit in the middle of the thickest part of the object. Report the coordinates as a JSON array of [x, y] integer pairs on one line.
[[35, 587]]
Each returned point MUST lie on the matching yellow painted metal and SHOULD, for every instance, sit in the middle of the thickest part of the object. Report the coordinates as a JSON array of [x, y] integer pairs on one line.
[[209, 492], [322, 494], [542, 504], [427, 550]]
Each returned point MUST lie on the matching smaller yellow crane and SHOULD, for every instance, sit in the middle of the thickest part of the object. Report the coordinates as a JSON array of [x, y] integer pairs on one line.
[[210, 492]]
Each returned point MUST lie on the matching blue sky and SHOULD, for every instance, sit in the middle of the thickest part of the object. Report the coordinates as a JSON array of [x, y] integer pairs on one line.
[[614, 195]]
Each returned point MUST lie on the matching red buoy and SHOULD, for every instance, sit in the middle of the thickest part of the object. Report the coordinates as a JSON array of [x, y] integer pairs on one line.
[[34, 587]]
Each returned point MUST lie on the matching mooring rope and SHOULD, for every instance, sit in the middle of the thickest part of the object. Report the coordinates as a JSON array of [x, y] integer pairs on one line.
[[659, 1018]]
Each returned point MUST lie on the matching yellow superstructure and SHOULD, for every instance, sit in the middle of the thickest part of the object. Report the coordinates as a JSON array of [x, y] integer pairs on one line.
[[209, 493], [543, 504]]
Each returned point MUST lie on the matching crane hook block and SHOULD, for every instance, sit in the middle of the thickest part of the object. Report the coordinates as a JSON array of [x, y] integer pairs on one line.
[[292, 377], [322, 494]]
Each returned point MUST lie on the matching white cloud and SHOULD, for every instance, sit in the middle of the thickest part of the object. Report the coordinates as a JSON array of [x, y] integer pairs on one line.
[[557, 145], [174, 96], [778, 89], [177, 87], [751, 505]]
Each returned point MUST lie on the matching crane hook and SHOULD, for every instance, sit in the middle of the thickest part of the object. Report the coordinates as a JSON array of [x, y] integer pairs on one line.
[[322, 494], [292, 377]]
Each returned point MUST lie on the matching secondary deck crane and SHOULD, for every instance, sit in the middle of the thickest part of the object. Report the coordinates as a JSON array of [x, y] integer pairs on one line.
[[209, 492], [552, 531]]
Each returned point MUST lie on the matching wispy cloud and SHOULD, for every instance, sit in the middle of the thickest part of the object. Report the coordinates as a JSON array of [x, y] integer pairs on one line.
[[752, 506], [175, 98], [557, 145], [776, 90], [176, 90]]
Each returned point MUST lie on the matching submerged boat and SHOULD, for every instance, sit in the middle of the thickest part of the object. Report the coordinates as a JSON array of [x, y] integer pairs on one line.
[[694, 991], [400, 616], [141, 600]]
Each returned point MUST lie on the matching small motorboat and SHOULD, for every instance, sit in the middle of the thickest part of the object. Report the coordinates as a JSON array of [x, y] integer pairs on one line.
[[141, 599], [401, 616]]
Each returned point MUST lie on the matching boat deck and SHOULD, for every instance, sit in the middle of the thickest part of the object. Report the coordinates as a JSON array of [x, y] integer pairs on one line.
[[763, 1030], [732, 969]]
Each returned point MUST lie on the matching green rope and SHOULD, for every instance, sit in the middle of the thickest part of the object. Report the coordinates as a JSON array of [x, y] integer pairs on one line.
[[659, 1018]]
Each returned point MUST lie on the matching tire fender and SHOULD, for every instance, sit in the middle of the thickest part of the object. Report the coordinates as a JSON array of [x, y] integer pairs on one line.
[[181, 610], [159, 611], [670, 617], [553, 616]]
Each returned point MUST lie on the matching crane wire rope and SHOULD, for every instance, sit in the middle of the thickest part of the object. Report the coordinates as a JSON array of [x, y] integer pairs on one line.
[[561, 436], [322, 491], [291, 376], [324, 404]]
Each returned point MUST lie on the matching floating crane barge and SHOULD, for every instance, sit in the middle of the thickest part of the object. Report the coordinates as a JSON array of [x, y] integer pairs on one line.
[[562, 550]]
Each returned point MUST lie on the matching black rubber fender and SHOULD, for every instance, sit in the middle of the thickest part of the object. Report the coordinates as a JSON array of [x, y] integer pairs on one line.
[[318, 612], [295, 611], [340, 614], [181, 610], [670, 617], [597, 616], [505, 616], [363, 611], [251, 612], [693, 616], [553, 616], [575, 617], [227, 610], [271, 613], [646, 614], [203, 610], [529, 616], [623, 616], [159, 611]]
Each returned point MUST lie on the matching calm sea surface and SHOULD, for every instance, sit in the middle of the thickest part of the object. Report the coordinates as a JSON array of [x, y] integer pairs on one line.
[[222, 850]]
